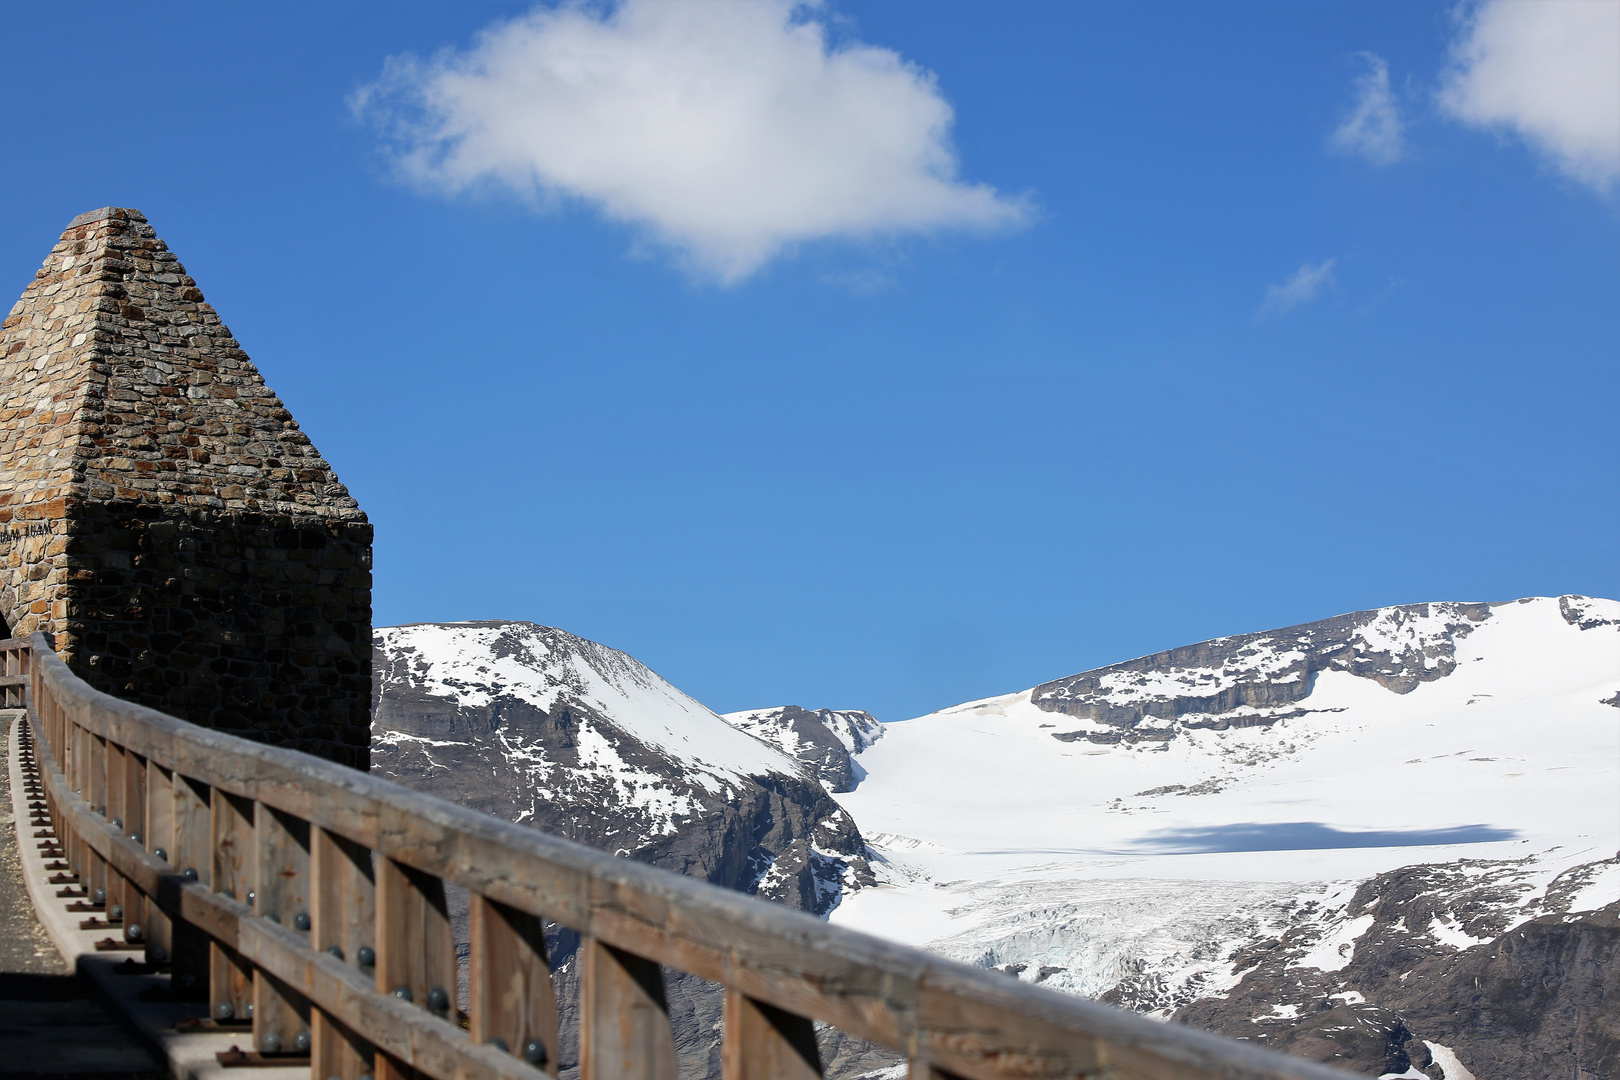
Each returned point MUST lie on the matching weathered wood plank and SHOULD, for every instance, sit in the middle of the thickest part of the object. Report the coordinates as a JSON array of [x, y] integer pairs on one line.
[[281, 874], [159, 834], [624, 1031], [416, 949], [760, 1042], [511, 996], [344, 911], [230, 978], [192, 859], [344, 892], [338, 1053]]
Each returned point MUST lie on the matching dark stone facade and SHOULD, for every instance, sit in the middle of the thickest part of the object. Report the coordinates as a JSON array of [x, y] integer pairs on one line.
[[161, 513]]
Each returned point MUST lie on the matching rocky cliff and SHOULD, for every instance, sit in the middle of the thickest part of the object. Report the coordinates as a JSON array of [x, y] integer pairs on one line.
[[825, 740], [1255, 680], [1464, 962], [540, 727]]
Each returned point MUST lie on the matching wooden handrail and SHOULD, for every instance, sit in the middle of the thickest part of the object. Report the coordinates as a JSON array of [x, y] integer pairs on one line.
[[311, 897]]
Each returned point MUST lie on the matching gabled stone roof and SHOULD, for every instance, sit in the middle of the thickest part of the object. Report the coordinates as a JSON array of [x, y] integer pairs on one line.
[[119, 383]]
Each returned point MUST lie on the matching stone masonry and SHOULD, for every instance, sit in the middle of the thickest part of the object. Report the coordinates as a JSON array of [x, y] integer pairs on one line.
[[161, 513]]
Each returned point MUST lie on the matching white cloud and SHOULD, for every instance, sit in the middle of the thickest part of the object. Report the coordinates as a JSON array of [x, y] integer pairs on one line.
[[1373, 128], [728, 130], [1301, 288], [1549, 71]]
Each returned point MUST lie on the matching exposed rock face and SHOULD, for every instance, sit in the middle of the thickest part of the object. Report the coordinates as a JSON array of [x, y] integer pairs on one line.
[[538, 726], [826, 740], [161, 513], [1444, 968], [1257, 679]]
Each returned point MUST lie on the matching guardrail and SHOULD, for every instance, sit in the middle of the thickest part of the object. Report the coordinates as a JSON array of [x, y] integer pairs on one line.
[[308, 900]]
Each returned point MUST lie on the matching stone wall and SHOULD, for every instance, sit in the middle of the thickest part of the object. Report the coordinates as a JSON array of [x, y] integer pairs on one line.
[[161, 513]]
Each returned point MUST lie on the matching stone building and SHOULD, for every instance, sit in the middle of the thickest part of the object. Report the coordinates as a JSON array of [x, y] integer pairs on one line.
[[161, 514]]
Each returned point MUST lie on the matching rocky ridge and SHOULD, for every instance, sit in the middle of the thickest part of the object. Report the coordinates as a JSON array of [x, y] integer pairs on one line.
[[825, 740], [540, 727], [1255, 680]]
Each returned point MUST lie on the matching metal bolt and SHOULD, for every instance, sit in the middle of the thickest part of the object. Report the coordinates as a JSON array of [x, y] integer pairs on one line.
[[534, 1052], [249, 1007], [223, 1011], [366, 956], [132, 932], [251, 896], [270, 1043], [403, 993], [301, 921], [189, 873], [156, 954], [301, 1042], [335, 951], [438, 1000], [160, 853], [117, 822], [101, 896], [117, 912], [135, 837]]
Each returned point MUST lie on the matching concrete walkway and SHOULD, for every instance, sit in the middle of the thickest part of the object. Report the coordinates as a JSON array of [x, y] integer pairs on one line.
[[52, 1022]]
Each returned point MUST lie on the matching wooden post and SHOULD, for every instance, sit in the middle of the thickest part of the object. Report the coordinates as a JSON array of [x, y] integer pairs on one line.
[[416, 951], [511, 997], [192, 857], [113, 793], [624, 1031], [760, 1042], [281, 875], [134, 818], [159, 834], [95, 792], [230, 978], [344, 897]]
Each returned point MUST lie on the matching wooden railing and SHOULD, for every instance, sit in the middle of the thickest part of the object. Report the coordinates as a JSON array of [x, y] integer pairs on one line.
[[309, 899]]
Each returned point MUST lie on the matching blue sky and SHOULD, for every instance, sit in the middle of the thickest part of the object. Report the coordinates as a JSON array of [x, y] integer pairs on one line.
[[1164, 358]]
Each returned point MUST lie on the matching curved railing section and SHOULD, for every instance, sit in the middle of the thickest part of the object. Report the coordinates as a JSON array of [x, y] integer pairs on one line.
[[307, 900]]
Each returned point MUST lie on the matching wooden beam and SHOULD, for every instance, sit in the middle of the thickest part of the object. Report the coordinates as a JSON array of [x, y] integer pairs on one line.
[[344, 898], [510, 993], [761, 1042], [159, 834], [192, 858], [416, 949], [230, 977], [281, 1016], [624, 1031]]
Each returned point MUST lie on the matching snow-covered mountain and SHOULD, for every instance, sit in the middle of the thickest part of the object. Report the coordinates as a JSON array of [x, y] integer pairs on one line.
[[538, 726], [826, 740], [1387, 839], [1342, 838]]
